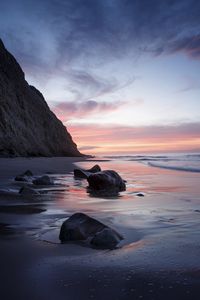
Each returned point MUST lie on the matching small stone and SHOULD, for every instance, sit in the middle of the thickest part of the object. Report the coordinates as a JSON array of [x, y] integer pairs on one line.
[[43, 180], [140, 195], [28, 173], [24, 176], [25, 190]]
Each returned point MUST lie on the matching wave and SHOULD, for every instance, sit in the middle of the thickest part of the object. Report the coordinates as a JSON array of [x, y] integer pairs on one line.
[[176, 168], [189, 162], [170, 157], [138, 157]]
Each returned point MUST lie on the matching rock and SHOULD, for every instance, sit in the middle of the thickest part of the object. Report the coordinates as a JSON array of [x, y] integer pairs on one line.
[[27, 126], [81, 173], [81, 227], [78, 173], [26, 176], [25, 190], [94, 169], [22, 178], [43, 180], [140, 195], [106, 239], [28, 173], [108, 180]]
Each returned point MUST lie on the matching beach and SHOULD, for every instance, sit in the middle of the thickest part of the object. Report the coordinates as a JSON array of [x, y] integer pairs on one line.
[[158, 215]]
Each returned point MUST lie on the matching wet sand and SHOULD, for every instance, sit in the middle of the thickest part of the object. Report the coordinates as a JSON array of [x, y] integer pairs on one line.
[[159, 258]]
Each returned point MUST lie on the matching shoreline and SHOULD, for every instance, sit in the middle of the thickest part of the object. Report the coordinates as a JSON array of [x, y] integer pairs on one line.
[[10, 167], [153, 262]]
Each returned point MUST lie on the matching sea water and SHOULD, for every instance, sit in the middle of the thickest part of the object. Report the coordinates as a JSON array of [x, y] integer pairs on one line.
[[161, 201], [179, 162], [157, 186]]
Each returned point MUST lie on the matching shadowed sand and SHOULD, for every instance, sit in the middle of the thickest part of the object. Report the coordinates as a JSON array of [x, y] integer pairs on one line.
[[159, 258]]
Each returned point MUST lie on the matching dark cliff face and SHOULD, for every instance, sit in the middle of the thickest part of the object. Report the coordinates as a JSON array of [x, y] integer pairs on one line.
[[27, 126]]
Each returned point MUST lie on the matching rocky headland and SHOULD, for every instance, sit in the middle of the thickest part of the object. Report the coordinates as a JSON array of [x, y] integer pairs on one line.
[[27, 126]]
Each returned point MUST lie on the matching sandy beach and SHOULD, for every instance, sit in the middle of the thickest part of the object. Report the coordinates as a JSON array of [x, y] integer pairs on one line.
[[158, 259]]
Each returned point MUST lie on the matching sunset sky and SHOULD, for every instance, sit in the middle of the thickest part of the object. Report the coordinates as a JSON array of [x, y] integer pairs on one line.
[[122, 75]]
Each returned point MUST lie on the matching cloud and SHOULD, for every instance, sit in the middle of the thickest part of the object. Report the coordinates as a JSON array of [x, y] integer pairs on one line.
[[84, 148], [85, 85], [90, 33], [66, 111], [130, 139], [82, 50], [117, 132], [190, 83], [189, 45]]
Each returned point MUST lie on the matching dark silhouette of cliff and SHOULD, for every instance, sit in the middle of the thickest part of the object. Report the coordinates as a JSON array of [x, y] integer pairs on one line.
[[27, 126]]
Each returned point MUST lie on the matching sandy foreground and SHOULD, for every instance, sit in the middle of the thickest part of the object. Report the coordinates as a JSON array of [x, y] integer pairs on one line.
[[158, 259]]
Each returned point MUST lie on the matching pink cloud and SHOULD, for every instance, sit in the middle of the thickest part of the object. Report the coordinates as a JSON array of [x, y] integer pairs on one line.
[[68, 110], [127, 139], [189, 45]]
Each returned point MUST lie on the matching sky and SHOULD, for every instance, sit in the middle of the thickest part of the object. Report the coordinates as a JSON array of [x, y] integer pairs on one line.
[[122, 75]]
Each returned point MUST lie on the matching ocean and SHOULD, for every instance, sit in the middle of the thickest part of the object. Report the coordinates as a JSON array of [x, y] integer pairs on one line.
[[179, 162], [158, 215]]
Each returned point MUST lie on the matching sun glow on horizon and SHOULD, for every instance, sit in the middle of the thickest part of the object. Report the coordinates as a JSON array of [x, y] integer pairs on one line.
[[123, 140]]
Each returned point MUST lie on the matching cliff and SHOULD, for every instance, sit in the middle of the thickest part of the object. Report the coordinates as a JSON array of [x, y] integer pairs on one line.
[[27, 126]]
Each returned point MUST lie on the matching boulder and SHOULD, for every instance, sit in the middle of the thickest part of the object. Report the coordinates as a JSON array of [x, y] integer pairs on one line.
[[106, 239], [26, 176], [43, 180], [25, 190], [28, 173], [81, 227], [82, 173], [108, 180], [22, 178], [94, 169]]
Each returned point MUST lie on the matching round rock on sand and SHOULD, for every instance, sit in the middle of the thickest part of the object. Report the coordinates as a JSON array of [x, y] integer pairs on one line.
[[81, 227]]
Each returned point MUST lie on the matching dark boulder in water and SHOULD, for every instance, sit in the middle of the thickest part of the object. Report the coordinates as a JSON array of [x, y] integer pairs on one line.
[[26, 191], [82, 173], [81, 227], [95, 169], [28, 173], [109, 181], [43, 180], [22, 178], [26, 176]]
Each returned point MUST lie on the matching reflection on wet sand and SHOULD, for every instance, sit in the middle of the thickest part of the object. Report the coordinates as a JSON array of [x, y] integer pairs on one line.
[[6, 230], [135, 245], [152, 194], [158, 257]]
